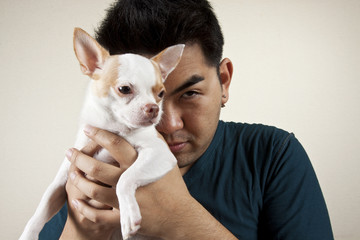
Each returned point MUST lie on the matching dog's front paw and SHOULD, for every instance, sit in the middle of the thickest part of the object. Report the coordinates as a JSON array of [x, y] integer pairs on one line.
[[130, 216]]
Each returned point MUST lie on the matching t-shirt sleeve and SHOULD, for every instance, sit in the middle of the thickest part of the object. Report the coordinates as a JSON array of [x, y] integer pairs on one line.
[[53, 229], [294, 206]]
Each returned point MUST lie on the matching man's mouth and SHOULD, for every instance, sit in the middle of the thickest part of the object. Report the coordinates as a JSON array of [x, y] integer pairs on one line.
[[177, 146]]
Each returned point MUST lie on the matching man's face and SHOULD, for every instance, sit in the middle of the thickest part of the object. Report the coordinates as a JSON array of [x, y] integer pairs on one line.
[[192, 103]]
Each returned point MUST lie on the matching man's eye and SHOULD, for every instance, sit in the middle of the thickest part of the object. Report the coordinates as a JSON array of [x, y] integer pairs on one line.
[[190, 94], [125, 89]]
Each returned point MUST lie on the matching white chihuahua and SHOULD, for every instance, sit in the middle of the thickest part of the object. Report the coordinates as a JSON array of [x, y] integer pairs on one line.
[[124, 97]]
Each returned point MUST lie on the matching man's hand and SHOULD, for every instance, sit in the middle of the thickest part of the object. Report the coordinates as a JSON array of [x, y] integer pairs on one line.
[[168, 210], [93, 205]]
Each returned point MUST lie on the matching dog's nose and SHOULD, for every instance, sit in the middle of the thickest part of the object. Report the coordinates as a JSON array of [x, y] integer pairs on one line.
[[151, 110]]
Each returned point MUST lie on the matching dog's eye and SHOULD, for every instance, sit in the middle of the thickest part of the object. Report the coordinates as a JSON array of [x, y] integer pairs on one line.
[[161, 94], [125, 90]]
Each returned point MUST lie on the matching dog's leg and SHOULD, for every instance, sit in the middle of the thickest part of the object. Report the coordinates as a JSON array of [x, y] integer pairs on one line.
[[51, 202], [153, 162]]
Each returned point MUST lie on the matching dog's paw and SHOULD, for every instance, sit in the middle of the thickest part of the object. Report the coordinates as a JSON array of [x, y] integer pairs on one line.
[[130, 216]]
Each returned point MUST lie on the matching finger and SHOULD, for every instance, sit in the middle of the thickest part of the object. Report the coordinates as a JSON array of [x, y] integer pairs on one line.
[[94, 191], [118, 147], [74, 193], [94, 168], [106, 217], [91, 148]]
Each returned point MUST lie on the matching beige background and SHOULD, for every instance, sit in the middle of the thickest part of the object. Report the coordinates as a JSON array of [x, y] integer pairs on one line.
[[296, 67]]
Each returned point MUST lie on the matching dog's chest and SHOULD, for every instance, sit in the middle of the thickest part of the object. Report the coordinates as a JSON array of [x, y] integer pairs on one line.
[[104, 156]]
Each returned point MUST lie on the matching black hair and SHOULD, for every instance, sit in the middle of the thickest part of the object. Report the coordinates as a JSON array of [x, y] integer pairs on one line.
[[149, 26]]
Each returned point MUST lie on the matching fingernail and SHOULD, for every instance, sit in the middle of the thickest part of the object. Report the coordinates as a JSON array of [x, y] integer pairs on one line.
[[69, 153], [88, 129], [75, 203]]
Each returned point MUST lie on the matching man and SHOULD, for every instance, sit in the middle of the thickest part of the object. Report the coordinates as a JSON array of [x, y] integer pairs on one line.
[[233, 181]]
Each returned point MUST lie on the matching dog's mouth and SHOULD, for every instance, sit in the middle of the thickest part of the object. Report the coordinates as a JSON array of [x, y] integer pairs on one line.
[[148, 122]]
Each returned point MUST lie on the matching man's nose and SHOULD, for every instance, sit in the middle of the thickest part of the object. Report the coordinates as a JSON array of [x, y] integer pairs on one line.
[[171, 120]]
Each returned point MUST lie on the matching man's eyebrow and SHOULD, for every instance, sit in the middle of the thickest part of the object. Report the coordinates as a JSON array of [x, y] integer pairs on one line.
[[194, 79]]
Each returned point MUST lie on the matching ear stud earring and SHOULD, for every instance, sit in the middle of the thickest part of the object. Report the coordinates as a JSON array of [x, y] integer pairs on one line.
[[223, 104]]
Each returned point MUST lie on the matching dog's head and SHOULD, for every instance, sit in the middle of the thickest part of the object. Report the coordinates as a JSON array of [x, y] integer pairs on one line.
[[130, 86]]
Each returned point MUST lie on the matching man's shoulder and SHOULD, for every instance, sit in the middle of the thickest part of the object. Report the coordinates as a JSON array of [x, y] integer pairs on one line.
[[254, 131], [263, 144], [256, 138]]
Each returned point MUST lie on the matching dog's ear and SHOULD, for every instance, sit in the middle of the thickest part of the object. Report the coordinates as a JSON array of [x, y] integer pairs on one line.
[[168, 59], [90, 53]]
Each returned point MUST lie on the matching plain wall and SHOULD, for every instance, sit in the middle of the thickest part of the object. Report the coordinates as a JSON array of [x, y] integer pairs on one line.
[[296, 66]]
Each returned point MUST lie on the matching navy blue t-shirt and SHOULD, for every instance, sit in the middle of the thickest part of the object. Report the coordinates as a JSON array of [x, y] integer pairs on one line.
[[257, 181]]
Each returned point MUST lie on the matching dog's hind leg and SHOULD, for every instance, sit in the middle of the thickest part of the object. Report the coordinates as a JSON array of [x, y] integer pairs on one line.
[[50, 203]]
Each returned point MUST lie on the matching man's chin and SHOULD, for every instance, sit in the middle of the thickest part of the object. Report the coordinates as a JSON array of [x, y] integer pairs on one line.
[[184, 160]]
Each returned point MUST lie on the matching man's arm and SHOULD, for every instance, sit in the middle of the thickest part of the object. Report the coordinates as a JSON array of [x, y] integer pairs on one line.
[[294, 207], [167, 208]]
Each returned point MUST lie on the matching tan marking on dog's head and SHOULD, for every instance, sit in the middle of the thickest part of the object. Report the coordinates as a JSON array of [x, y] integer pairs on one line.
[[158, 88], [108, 79]]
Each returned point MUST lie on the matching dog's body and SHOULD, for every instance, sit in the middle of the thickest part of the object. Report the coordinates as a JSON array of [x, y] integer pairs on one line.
[[124, 98]]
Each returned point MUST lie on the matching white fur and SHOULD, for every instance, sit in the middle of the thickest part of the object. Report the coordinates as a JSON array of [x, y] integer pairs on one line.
[[123, 115]]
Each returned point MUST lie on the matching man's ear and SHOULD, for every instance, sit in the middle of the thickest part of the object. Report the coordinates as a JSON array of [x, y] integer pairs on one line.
[[168, 59], [226, 71], [90, 53]]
